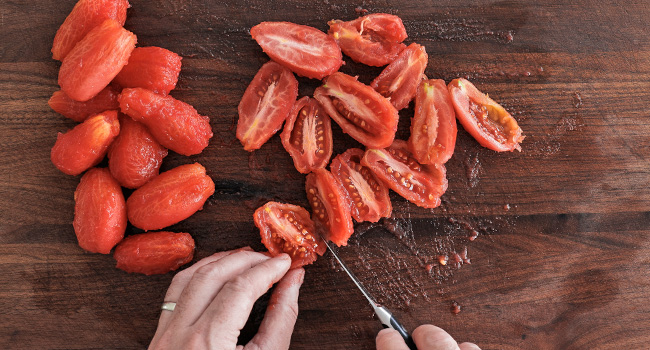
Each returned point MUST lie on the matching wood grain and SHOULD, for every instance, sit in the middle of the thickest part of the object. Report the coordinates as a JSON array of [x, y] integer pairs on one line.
[[562, 255]]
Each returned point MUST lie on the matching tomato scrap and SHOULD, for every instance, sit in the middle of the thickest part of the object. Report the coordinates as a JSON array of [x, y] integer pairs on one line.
[[307, 135], [154, 253], [374, 40], [287, 228], [433, 128], [152, 68], [400, 79], [79, 111], [330, 206], [99, 211], [265, 105], [489, 123]]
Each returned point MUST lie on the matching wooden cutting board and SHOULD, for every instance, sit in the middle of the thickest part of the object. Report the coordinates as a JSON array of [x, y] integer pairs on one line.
[[561, 254]]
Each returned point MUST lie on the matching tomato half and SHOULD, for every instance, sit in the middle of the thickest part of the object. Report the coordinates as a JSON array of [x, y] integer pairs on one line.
[[305, 50], [433, 128], [330, 206], [489, 123], [266, 103], [374, 40], [307, 135], [359, 110], [367, 195], [421, 184], [287, 228], [399, 81]]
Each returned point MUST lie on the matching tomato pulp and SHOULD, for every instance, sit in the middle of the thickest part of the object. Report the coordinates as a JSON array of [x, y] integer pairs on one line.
[[399, 81]]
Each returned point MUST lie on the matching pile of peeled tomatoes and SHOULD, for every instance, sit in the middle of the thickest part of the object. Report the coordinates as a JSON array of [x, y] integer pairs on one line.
[[119, 94], [357, 182]]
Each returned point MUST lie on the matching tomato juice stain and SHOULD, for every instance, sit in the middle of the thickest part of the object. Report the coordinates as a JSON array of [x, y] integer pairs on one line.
[[455, 308]]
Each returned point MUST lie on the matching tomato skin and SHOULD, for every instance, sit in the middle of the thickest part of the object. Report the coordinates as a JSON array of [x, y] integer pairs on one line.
[[341, 95], [99, 211], [170, 197], [174, 124], [86, 15], [307, 135], [79, 111], [287, 228], [433, 127], [86, 144], [487, 121], [400, 79], [421, 184], [374, 39], [135, 156], [154, 253], [367, 195], [266, 104], [305, 50], [93, 63], [330, 206], [152, 68]]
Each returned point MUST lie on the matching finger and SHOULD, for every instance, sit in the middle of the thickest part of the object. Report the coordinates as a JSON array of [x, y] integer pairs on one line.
[[468, 346], [428, 337], [230, 309], [281, 314], [390, 339]]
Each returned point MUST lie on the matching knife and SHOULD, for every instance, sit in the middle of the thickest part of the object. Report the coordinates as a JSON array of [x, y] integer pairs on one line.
[[385, 316]]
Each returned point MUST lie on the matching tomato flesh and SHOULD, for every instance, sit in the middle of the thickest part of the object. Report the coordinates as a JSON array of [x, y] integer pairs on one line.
[[287, 228], [78, 111], [154, 253], [374, 40], [487, 121], [367, 195], [152, 68], [433, 128], [305, 50], [421, 184], [265, 105], [330, 206], [400, 79], [359, 110]]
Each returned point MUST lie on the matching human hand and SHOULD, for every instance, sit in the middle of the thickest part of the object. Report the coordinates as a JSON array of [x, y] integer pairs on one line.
[[426, 337], [214, 298]]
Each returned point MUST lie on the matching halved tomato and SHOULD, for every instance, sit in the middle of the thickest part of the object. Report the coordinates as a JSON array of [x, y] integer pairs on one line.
[[360, 111], [367, 195], [265, 105], [489, 123], [331, 209], [307, 135], [305, 50], [287, 228], [375, 39], [433, 128], [399, 81], [421, 184]]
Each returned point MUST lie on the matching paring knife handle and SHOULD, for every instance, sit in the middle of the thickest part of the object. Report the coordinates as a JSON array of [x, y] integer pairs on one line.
[[389, 321]]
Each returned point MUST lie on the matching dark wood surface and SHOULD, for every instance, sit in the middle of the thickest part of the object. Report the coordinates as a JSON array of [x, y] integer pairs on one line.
[[562, 256]]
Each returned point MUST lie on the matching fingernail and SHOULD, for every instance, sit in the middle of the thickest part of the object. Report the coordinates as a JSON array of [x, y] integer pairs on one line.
[[246, 248]]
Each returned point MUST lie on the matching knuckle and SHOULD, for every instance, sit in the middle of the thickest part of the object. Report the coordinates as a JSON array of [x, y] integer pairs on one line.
[[208, 272], [240, 285]]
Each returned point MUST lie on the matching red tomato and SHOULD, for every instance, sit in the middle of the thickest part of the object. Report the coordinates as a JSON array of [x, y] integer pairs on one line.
[[330, 206], [421, 184], [375, 39], [489, 123], [265, 105], [399, 81], [359, 110], [135, 156], [287, 228], [99, 211], [367, 195], [86, 15], [79, 111], [86, 144], [433, 128], [154, 253], [152, 68], [307, 136], [175, 124], [305, 50], [95, 60], [170, 197]]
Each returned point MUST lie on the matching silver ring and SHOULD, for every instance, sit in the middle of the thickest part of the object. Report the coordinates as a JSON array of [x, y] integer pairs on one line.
[[168, 306]]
